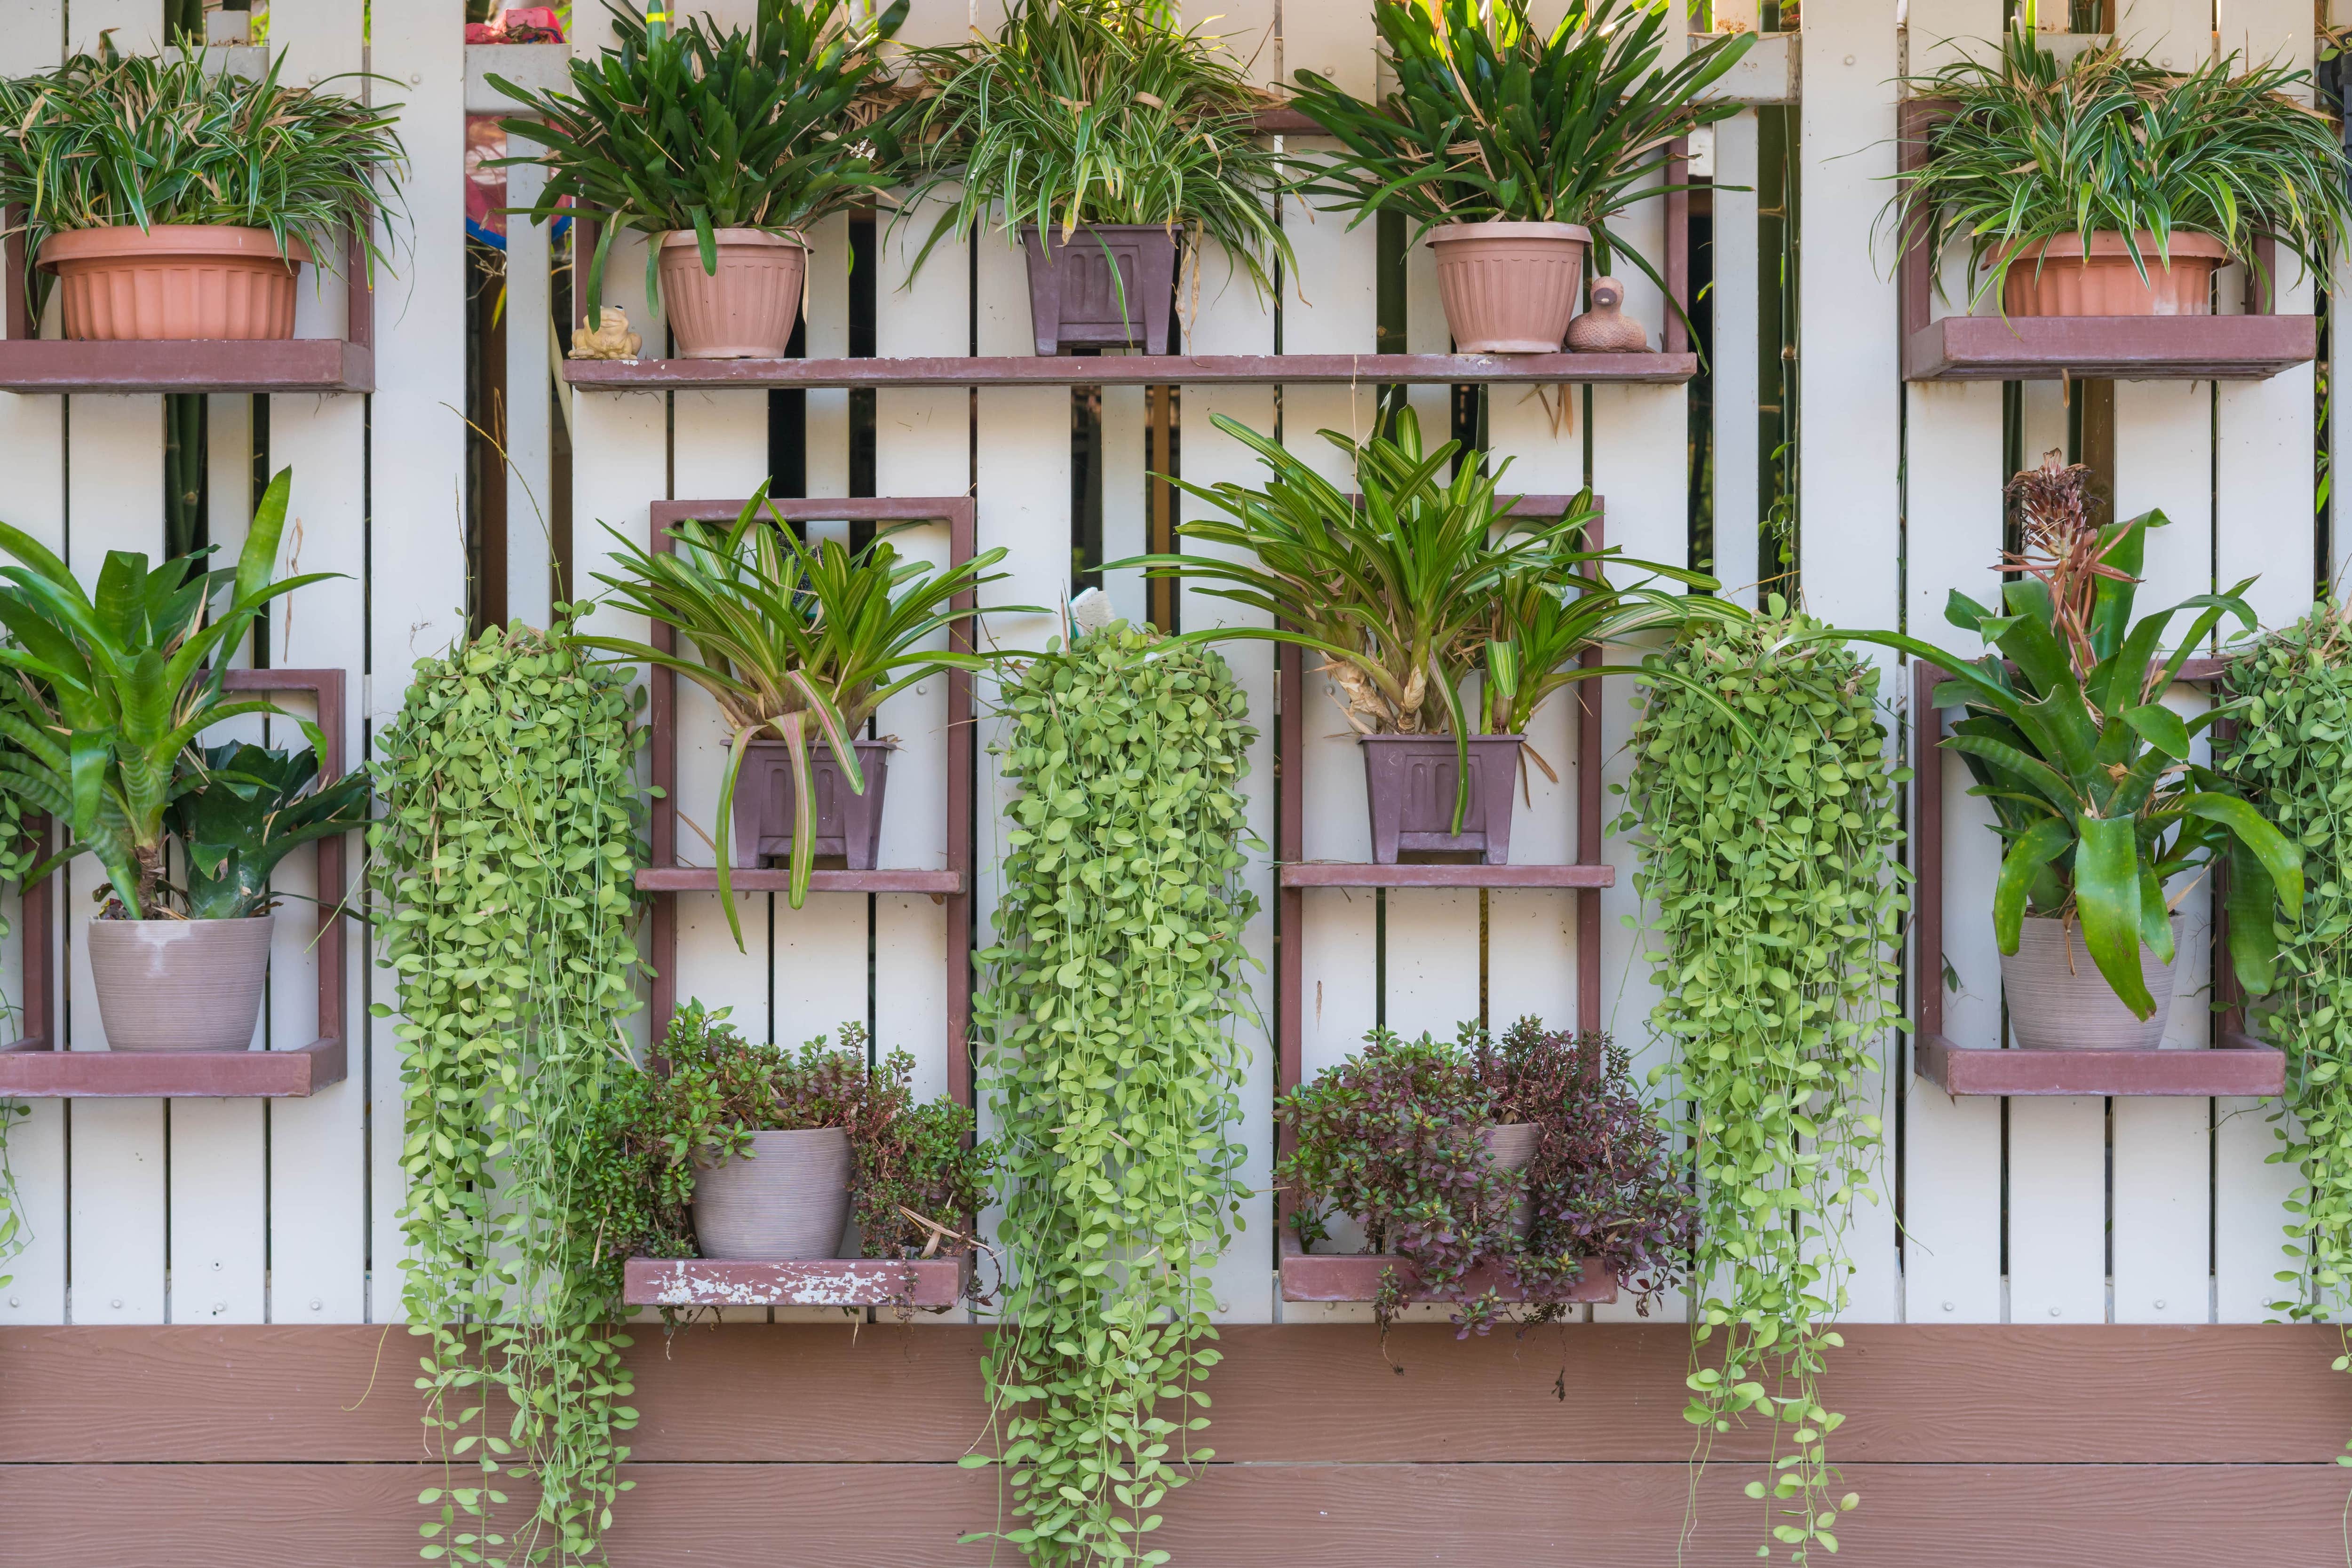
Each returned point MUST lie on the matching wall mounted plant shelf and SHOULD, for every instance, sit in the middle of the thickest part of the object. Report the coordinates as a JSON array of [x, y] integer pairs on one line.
[[2250, 347], [2238, 1064], [34, 1067], [835, 1281], [1345, 1277], [31, 363]]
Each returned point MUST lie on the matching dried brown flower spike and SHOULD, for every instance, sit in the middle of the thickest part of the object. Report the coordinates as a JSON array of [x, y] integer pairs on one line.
[[2062, 546]]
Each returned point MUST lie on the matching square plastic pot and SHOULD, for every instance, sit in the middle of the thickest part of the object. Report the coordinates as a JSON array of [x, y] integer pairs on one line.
[[1409, 783], [847, 824], [1109, 286]]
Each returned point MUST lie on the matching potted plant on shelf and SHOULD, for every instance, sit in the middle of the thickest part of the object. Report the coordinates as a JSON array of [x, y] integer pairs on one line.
[[1511, 147], [1535, 1153], [2114, 186], [1103, 134], [797, 644], [174, 200], [1408, 590], [2099, 802], [102, 722], [723, 147], [738, 1150]]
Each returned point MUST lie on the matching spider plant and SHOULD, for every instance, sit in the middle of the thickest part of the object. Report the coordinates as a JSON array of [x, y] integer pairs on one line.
[[248, 807], [109, 139], [114, 689], [1100, 111], [1494, 118], [1416, 583], [2095, 797], [2112, 142], [795, 640], [770, 128]]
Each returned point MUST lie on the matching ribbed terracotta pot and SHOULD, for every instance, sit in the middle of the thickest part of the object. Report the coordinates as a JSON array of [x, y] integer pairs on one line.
[[743, 311], [1107, 286], [790, 1200], [847, 824], [1409, 785], [1509, 287], [174, 282], [1512, 1144], [2058, 1001], [2065, 282], [180, 985]]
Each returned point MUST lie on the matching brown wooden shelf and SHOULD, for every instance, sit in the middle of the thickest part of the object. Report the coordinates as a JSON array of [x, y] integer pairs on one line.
[[2116, 347], [286, 365], [820, 1283], [1131, 370], [2240, 1065], [1340, 874], [30, 1072], [1356, 1277], [776, 879]]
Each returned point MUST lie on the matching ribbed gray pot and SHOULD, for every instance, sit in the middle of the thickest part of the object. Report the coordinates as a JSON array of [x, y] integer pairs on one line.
[[790, 1200], [2058, 1001], [1409, 787], [1512, 1144], [180, 985]]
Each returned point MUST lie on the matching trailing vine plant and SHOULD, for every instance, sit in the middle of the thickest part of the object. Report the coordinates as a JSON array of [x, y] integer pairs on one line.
[[1769, 863], [503, 869], [1111, 1064]]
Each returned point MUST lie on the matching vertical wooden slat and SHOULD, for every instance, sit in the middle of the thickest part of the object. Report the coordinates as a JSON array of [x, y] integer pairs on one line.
[[529, 405], [1732, 351]]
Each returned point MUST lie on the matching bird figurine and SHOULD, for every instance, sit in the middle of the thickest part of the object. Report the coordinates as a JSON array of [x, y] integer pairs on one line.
[[609, 339], [1602, 329]]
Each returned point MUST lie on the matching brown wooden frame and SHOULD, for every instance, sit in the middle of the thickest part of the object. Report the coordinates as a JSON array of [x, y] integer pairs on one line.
[[31, 363], [2251, 347], [34, 1067], [2237, 1063]]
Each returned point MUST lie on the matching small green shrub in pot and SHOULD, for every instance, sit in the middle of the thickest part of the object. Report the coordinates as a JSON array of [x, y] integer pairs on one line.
[[724, 147], [2115, 186], [135, 173], [1099, 135], [1512, 147]]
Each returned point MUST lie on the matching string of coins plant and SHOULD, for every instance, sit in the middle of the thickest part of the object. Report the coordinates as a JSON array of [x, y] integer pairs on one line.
[[502, 871], [2292, 757], [1769, 865], [1110, 1062]]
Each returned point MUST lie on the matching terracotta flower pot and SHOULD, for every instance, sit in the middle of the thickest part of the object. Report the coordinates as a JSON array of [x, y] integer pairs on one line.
[[1509, 287], [174, 281], [2058, 1001], [847, 824], [789, 1200], [1409, 783], [1109, 286], [1512, 1144], [180, 985], [2055, 279], [743, 311]]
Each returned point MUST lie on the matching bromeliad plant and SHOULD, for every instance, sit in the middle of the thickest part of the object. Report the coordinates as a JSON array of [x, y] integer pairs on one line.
[[248, 807], [2035, 148], [1494, 118], [2097, 801], [770, 128], [795, 639]]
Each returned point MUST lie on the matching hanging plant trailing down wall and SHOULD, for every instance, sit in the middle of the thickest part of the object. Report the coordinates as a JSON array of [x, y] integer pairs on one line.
[[1769, 863], [1110, 1065], [503, 868]]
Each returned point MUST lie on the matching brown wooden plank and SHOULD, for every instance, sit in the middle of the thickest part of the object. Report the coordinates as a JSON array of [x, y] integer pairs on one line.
[[1258, 1516], [1335, 874], [880, 1392], [2240, 1066], [286, 365], [1356, 1277], [173, 1075], [933, 1283], [1134, 369], [2118, 348]]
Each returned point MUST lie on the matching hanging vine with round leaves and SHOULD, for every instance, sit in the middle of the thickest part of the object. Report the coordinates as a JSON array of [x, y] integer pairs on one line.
[[1110, 1062], [503, 870], [1770, 844]]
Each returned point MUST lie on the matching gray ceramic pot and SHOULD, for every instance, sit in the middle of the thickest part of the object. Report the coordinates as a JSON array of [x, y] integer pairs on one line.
[[847, 824], [790, 1200], [180, 985], [1409, 784], [1109, 286], [2058, 1001], [1512, 1144]]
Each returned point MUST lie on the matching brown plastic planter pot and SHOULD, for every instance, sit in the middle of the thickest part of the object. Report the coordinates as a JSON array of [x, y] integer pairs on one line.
[[180, 985], [2058, 1001], [1409, 781], [175, 282], [1509, 287], [1109, 286], [743, 311], [789, 1201], [847, 824], [2057, 278]]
